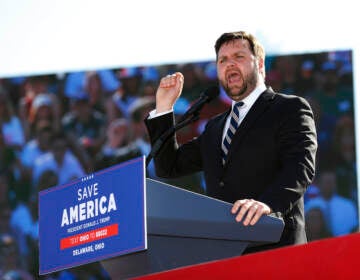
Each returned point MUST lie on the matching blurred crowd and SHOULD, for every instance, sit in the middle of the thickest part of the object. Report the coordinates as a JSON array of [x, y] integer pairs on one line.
[[58, 127]]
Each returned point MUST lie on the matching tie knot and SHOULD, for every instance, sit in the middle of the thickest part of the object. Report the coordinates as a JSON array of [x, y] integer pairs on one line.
[[237, 107], [239, 104]]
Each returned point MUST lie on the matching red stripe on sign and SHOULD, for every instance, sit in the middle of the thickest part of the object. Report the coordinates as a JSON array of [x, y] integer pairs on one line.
[[89, 236]]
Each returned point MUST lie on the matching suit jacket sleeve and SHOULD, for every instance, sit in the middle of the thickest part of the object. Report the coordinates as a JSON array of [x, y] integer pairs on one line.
[[172, 160], [297, 147]]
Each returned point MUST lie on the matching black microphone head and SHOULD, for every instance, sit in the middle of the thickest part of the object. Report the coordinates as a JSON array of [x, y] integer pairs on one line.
[[211, 93]]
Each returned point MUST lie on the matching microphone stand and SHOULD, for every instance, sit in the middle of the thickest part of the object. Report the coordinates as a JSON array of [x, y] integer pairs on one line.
[[168, 133]]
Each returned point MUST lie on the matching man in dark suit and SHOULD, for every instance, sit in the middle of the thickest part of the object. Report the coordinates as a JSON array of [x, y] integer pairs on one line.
[[266, 161]]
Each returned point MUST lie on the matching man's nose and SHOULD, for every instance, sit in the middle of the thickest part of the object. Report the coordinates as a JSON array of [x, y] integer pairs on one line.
[[230, 63]]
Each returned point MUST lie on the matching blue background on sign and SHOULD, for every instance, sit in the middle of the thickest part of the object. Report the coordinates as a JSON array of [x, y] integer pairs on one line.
[[127, 182]]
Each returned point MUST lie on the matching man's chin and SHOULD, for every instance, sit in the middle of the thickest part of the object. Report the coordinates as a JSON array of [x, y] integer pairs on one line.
[[236, 95]]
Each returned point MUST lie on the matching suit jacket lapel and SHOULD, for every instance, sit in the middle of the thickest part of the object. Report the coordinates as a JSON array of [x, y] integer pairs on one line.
[[256, 111]]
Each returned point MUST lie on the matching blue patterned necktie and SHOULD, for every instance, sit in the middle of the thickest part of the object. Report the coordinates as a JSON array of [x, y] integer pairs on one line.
[[234, 122]]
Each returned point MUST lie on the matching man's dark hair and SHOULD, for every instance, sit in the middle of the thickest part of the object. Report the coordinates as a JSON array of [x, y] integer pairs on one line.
[[256, 48]]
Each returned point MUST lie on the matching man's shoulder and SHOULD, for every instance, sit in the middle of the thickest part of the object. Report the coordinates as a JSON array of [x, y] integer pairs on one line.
[[289, 97], [290, 101]]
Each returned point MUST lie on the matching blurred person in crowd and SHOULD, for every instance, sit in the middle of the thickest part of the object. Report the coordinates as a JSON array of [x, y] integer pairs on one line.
[[45, 107], [5, 206], [39, 145], [346, 76], [311, 192], [272, 153], [22, 224], [9, 160], [117, 106], [10, 257], [333, 98], [343, 60], [10, 124], [210, 73], [344, 157], [315, 224], [325, 126], [118, 146], [286, 66], [48, 178], [150, 79], [84, 125], [274, 79], [9, 254], [33, 86], [192, 81], [340, 213], [17, 175], [60, 159], [131, 79], [15, 88], [305, 81], [10, 265], [94, 88], [97, 84], [138, 112]]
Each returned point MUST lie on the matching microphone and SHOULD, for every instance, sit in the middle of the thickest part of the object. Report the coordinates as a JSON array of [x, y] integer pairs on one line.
[[205, 97]]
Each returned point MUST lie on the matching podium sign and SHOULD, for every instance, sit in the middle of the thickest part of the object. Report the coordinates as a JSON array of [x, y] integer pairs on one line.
[[93, 218]]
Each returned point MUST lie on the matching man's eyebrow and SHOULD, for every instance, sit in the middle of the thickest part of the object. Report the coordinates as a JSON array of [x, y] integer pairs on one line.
[[234, 53]]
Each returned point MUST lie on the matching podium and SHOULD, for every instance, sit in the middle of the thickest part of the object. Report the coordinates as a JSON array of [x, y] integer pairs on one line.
[[186, 228]]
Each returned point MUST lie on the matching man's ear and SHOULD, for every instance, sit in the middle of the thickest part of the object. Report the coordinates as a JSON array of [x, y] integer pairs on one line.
[[261, 64]]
